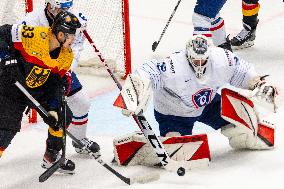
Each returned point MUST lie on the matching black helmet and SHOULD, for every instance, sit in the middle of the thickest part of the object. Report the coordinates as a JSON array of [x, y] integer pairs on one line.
[[65, 22]]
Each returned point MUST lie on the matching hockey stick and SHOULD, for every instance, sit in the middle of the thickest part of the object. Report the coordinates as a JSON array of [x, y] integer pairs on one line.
[[54, 167], [156, 43], [143, 124], [44, 176]]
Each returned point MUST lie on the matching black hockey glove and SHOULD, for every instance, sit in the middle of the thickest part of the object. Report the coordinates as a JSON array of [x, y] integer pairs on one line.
[[52, 120]]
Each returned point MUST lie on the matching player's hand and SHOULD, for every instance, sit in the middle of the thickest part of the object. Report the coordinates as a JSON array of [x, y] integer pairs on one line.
[[52, 119]]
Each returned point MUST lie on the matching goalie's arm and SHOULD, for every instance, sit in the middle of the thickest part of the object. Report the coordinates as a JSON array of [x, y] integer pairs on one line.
[[136, 91], [241, 73], [150, 71]]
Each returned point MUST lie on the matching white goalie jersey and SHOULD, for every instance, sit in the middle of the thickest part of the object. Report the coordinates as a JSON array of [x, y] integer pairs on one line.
[[38, 18], [178, 92]]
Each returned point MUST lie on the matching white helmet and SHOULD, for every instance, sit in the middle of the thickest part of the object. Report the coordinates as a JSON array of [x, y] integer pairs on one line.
[[198, 49], [61, 4]]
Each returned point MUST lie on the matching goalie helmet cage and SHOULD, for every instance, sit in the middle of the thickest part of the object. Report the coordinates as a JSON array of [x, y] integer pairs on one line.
[[107, 24]]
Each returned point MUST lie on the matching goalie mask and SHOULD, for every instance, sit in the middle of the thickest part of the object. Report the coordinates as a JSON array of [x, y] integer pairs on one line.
[[197, 54]]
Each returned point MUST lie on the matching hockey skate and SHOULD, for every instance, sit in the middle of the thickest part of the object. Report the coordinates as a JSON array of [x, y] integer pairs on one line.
[[226, 45], [244, 39], [92, 146], [52, 156]]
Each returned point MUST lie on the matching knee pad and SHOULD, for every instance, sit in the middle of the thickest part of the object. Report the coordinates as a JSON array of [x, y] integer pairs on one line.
[[6, 137]]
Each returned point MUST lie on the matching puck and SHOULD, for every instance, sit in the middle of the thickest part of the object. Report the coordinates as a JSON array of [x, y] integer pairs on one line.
[[181, 171]]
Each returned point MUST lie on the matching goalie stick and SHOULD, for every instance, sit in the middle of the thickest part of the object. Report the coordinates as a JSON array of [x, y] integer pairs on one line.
[[142, 123], [156, 43], [54, 167]]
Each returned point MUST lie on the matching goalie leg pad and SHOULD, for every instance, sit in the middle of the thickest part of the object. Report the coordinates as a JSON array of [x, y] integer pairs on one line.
[[247, 130], [134, 149], [241, 138]]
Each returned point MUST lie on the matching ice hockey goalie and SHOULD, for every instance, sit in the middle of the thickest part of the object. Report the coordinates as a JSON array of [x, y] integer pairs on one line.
[[249, 128]]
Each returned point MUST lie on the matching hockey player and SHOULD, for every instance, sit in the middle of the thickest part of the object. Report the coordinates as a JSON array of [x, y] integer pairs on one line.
[[246, 37], [38, 58], [185, 87], [77, 99], [207, 21]]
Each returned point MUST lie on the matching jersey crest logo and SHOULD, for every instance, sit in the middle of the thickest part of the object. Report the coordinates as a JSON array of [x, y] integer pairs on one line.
[[43, 35], [37, 77], [162, 67], [202, 97]]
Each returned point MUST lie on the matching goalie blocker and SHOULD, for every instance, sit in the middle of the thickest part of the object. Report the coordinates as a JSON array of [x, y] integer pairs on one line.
[[134, 149]]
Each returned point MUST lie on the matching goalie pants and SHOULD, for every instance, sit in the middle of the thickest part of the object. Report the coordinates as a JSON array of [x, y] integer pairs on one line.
[[210, 116]]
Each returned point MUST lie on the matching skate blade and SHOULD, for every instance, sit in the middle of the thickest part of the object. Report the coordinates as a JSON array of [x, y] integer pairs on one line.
[[243, 46], [61, 171], [65, 172]]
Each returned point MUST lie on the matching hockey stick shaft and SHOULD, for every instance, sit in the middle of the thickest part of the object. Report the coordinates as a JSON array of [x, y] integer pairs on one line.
[[44, 176], [55, 166], [81, 145], [139, 119], [102, 59], [156, 43]]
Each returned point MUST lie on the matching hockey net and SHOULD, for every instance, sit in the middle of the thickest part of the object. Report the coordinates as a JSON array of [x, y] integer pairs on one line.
[[108, 26]]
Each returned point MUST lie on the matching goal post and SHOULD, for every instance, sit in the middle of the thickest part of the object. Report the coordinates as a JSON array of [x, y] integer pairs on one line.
[[108, 25]]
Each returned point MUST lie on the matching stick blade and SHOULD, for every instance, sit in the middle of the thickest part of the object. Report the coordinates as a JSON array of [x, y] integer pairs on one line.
[[44, 176], [145, 178], [154, 46]]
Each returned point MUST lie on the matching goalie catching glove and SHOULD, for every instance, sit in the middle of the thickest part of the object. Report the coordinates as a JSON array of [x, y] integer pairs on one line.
[[264, 91], [134, 96]]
